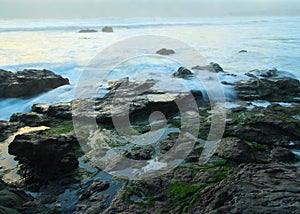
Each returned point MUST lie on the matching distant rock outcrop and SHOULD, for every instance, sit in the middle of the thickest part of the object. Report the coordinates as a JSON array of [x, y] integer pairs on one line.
[[243, 51], [28, 82], [88, 31], [165, 51], [107, 29]]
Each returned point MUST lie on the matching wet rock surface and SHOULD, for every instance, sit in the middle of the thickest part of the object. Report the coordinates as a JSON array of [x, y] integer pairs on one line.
[[146, 97], [44, 158], [13, 201], [254, 189], [268, 85], [183, 73], [273, 125], [252, 171], [28, 82], [7, 129]]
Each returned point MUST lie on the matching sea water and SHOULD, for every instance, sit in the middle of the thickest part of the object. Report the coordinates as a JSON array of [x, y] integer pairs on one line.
[[271, 42]]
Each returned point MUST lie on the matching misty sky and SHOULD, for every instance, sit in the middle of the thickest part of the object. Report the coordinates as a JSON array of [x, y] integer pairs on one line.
[[145, 8]]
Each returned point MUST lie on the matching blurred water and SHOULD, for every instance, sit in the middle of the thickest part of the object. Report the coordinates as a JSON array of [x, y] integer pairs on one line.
[[55, 44]]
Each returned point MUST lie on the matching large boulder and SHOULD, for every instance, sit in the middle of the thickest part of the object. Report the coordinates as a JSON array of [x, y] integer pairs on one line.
[[44, 157], [28, 82], [183, 72]]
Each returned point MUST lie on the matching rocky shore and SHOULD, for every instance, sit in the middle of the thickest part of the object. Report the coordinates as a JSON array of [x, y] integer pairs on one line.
[[255, 168], [28, 82]]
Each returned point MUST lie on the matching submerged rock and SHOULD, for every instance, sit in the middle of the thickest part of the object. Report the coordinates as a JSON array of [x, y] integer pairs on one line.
[[243, 51], [165, 51], [28, 82], [107, 29]]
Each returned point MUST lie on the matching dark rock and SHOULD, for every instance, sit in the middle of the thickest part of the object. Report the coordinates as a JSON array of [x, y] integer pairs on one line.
[[213, 67], [280, 154], [7, 129], [58, 110], [271, 126], [29, 119], [165, 51], [46, 157], [253, 189], [17, 201], [28, 82], [107, 29], [183, 72], [235, 149], [147, 99], [263, 73], [96, 187], [95, 204], [268, 85], [44, 115], [99, 185], [194, 155], [166, 145], [140, 152], [243, 51], [88, 31]]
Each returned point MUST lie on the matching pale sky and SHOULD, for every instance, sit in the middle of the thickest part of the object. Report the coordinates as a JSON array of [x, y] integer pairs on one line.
[[145, 8]]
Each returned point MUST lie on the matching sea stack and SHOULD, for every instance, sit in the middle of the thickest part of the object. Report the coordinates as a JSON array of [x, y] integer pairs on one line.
[[165, 51], [107, 29]]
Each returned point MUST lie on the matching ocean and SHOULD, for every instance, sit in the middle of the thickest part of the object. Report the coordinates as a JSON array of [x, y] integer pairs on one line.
[[271, 42]]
